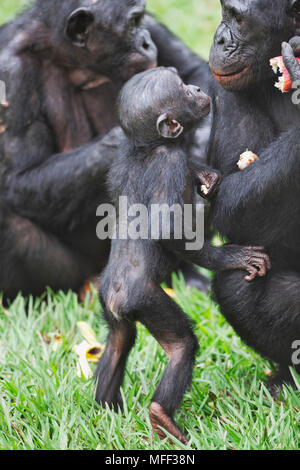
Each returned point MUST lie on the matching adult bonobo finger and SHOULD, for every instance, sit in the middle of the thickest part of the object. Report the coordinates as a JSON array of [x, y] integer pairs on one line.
[[290, 61], [295, 44]]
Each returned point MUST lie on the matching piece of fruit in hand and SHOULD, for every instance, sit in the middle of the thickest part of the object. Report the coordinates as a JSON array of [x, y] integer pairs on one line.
[[246, 159], [284, 83]]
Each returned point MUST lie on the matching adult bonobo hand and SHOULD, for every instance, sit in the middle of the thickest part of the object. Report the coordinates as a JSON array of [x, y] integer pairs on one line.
[[290, 52]]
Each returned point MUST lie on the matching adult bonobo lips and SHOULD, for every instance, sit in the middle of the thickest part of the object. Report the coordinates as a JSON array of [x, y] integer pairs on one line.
[[225, 77]]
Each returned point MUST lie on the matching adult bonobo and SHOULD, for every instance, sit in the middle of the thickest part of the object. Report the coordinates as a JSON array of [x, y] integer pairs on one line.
[[260, 204], [63, 62]]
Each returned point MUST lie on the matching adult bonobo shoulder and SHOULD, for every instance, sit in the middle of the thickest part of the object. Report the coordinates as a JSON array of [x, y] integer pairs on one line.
[[261, 203]]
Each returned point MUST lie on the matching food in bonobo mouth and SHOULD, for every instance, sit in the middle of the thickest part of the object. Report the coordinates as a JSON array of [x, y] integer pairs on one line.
[[246, 159], [284, 83]]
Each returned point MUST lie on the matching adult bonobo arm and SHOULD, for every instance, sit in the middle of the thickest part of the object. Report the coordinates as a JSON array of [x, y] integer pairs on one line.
[[172, 52], [55, 190], [252, 206]]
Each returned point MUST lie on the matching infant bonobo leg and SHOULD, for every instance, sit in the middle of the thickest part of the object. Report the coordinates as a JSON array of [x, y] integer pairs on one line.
[[172, 329], [111, 367]]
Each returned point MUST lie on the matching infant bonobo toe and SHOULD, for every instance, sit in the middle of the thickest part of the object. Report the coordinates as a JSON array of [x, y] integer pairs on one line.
[[159, 419]]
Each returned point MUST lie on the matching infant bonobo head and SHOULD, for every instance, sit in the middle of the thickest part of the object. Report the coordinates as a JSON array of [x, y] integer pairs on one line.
[[157, 105]]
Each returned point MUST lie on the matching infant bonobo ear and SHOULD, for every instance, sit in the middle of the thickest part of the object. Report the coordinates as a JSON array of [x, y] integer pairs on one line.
[[168, 128], [78, 26]]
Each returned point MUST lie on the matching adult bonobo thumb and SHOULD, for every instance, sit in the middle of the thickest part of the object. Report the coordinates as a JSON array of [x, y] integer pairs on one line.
[[290, 52]]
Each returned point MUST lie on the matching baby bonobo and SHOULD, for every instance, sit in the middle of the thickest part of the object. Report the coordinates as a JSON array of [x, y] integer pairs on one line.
[[156, 109]]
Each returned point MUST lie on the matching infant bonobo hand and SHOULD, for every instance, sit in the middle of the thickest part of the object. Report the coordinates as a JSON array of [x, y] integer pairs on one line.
[[207, 181], [254, 260]]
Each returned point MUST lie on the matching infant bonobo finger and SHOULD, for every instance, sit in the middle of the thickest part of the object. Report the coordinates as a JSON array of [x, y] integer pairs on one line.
[[207, 182], [258, 263], [253, 272], [261, 255]]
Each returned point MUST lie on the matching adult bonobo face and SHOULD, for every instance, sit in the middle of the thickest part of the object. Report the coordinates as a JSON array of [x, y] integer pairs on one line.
[[157, 104], [251, 33], [108, 37]]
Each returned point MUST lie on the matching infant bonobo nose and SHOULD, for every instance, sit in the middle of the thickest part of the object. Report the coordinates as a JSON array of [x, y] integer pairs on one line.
[[204, 102], [146, 46]]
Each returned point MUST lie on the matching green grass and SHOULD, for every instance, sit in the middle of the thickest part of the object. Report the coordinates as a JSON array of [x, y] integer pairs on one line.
[[44, 405]]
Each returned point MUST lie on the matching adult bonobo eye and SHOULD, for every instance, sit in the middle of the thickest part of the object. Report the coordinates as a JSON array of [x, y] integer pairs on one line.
[[136, 20], [238, 18]]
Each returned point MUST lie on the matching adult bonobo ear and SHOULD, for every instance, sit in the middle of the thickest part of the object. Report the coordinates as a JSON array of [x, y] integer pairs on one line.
[[78, 26], [168, 128]]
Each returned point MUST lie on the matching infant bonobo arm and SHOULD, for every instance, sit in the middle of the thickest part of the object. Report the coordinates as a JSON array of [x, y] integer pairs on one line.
[[51, 189], [230, 257], [227, 257]]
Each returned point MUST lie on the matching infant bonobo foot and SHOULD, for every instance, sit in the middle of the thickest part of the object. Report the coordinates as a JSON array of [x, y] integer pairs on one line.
[[207, 182], [256, 262], [159, 419]]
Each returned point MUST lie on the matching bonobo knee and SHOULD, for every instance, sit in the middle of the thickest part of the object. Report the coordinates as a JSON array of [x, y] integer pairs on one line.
[[122, 299]]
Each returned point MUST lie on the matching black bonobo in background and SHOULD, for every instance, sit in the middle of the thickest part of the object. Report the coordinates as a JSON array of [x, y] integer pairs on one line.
[[63, 63], [54, 154], [156, 109]]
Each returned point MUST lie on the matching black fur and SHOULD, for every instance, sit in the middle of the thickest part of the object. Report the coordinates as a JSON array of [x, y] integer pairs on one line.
[[260, 204]]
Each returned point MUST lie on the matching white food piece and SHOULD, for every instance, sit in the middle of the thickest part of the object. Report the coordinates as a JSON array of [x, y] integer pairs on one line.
[[246, 159], [204, 189]]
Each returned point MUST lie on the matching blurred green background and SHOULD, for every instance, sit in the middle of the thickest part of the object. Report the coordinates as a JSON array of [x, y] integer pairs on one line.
[[193, 20]]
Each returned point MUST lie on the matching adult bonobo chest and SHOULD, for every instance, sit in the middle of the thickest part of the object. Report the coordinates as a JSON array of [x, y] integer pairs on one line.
[[77, 112], [250, 120]]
